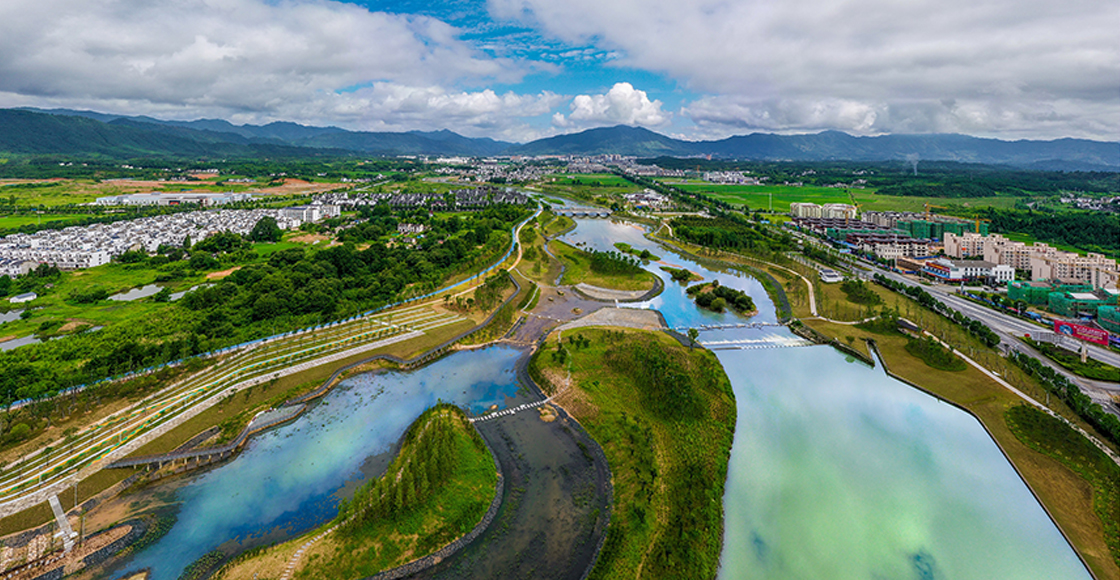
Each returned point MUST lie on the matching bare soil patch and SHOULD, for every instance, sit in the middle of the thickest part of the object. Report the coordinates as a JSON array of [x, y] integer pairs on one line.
[[222, 274], [311, 238]]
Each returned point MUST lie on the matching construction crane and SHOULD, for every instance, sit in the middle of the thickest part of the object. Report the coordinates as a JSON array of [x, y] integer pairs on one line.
[[980, 219], [927, 206]]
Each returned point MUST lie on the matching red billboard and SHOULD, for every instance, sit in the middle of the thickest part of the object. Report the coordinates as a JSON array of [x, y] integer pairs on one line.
[[1086, 333]]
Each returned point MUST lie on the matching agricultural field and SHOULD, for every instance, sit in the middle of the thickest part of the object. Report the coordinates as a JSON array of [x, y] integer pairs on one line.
[[14, 221], [61, 192], [759, 197], [593, 187]]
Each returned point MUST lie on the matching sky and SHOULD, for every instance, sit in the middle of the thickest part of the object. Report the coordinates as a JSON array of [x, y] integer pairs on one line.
[[518, 70]]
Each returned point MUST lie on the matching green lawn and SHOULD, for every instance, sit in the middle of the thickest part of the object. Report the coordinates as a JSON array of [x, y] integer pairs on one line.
[[15, 221], [578, 270], [664, 416]]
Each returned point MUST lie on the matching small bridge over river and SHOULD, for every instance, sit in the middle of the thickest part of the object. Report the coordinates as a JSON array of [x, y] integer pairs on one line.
[[197, 457], [703, 327], [583, 212]]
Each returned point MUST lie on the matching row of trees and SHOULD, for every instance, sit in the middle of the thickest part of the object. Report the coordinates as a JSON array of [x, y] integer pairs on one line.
[[614, 263], [1071, 395], [974, 327], [731, 232], [430, 455]]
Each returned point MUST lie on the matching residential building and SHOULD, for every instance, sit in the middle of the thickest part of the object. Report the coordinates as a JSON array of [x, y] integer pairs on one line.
[[839, 211], [1092, 269], [805, 210], [889, 246]]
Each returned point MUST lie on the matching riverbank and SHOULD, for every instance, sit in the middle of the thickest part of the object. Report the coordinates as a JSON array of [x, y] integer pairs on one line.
[[1067, 496], [442, 484], [668, 487], [294, 385]]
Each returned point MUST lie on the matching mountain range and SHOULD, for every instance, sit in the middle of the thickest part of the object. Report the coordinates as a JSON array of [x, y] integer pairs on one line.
[[69, 132]]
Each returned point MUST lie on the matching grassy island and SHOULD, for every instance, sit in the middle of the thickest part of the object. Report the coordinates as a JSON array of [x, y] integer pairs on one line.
[[640, 254], [437, 489], [602, 269], [719, 298], [665, 417]]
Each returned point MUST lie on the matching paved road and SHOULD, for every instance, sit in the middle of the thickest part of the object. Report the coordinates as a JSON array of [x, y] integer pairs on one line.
[[1009, 328]]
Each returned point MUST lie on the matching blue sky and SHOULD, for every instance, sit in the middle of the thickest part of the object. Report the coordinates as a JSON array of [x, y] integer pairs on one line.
[[523, 69]]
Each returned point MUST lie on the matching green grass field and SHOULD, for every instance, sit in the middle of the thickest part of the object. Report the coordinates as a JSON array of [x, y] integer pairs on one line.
[[578, 264], [666, 431], [759, 197], [15, 221]]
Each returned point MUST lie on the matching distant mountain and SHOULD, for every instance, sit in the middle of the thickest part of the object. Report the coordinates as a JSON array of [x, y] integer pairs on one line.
[[834, 145], [618, 140], [295, 135], [86, 132], [1061, 154]]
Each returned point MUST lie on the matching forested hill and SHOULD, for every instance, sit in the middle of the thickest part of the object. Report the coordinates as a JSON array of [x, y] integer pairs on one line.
[[24, 132], [1061, 154], [89, 133]]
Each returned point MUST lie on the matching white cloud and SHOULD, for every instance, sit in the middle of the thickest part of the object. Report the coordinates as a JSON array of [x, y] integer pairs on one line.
[[255, 60], [622, 104], [1012, 60], [720, 116]]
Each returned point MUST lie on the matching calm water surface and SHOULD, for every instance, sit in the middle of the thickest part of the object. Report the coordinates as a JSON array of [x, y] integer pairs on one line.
[[837, 471], [290, 479], [840, 472]]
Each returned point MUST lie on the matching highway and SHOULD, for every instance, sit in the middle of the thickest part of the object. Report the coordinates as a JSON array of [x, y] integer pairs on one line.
[[1009, 328]]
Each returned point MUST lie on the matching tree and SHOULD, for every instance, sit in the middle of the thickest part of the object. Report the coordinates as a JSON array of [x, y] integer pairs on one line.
[[692, 336], [266, 230]]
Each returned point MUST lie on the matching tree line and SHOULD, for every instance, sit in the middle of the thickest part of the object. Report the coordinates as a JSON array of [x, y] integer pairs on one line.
[[294, 288], [973, 326]]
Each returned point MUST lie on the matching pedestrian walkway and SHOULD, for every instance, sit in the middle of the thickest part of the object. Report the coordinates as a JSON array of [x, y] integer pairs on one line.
[[294, 560], [510, 411], [64, 528]]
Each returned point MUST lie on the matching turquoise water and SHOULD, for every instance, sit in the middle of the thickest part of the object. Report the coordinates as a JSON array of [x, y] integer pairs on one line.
[[837, 470], [290, 479], [841, 472]]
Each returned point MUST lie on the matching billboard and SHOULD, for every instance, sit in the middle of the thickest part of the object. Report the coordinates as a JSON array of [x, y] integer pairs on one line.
[[1081, 332]]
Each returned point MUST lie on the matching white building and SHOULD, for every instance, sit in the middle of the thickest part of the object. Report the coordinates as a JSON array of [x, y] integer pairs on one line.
[[157, 198], [19, 298], [838, 211], [805, 210], [961, 270]]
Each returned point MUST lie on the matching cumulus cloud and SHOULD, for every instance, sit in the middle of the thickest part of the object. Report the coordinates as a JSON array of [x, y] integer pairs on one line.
[[720, 116], [622, 104], [1009, 61], [254, 60]]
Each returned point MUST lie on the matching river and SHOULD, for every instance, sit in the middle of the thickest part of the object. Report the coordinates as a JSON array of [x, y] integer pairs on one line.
[[837, 470]]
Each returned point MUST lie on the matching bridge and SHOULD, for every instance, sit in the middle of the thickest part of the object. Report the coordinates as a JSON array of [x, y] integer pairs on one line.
[[198, 457], [583, 212], [757, 343], [726, 326], [510, 411]]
